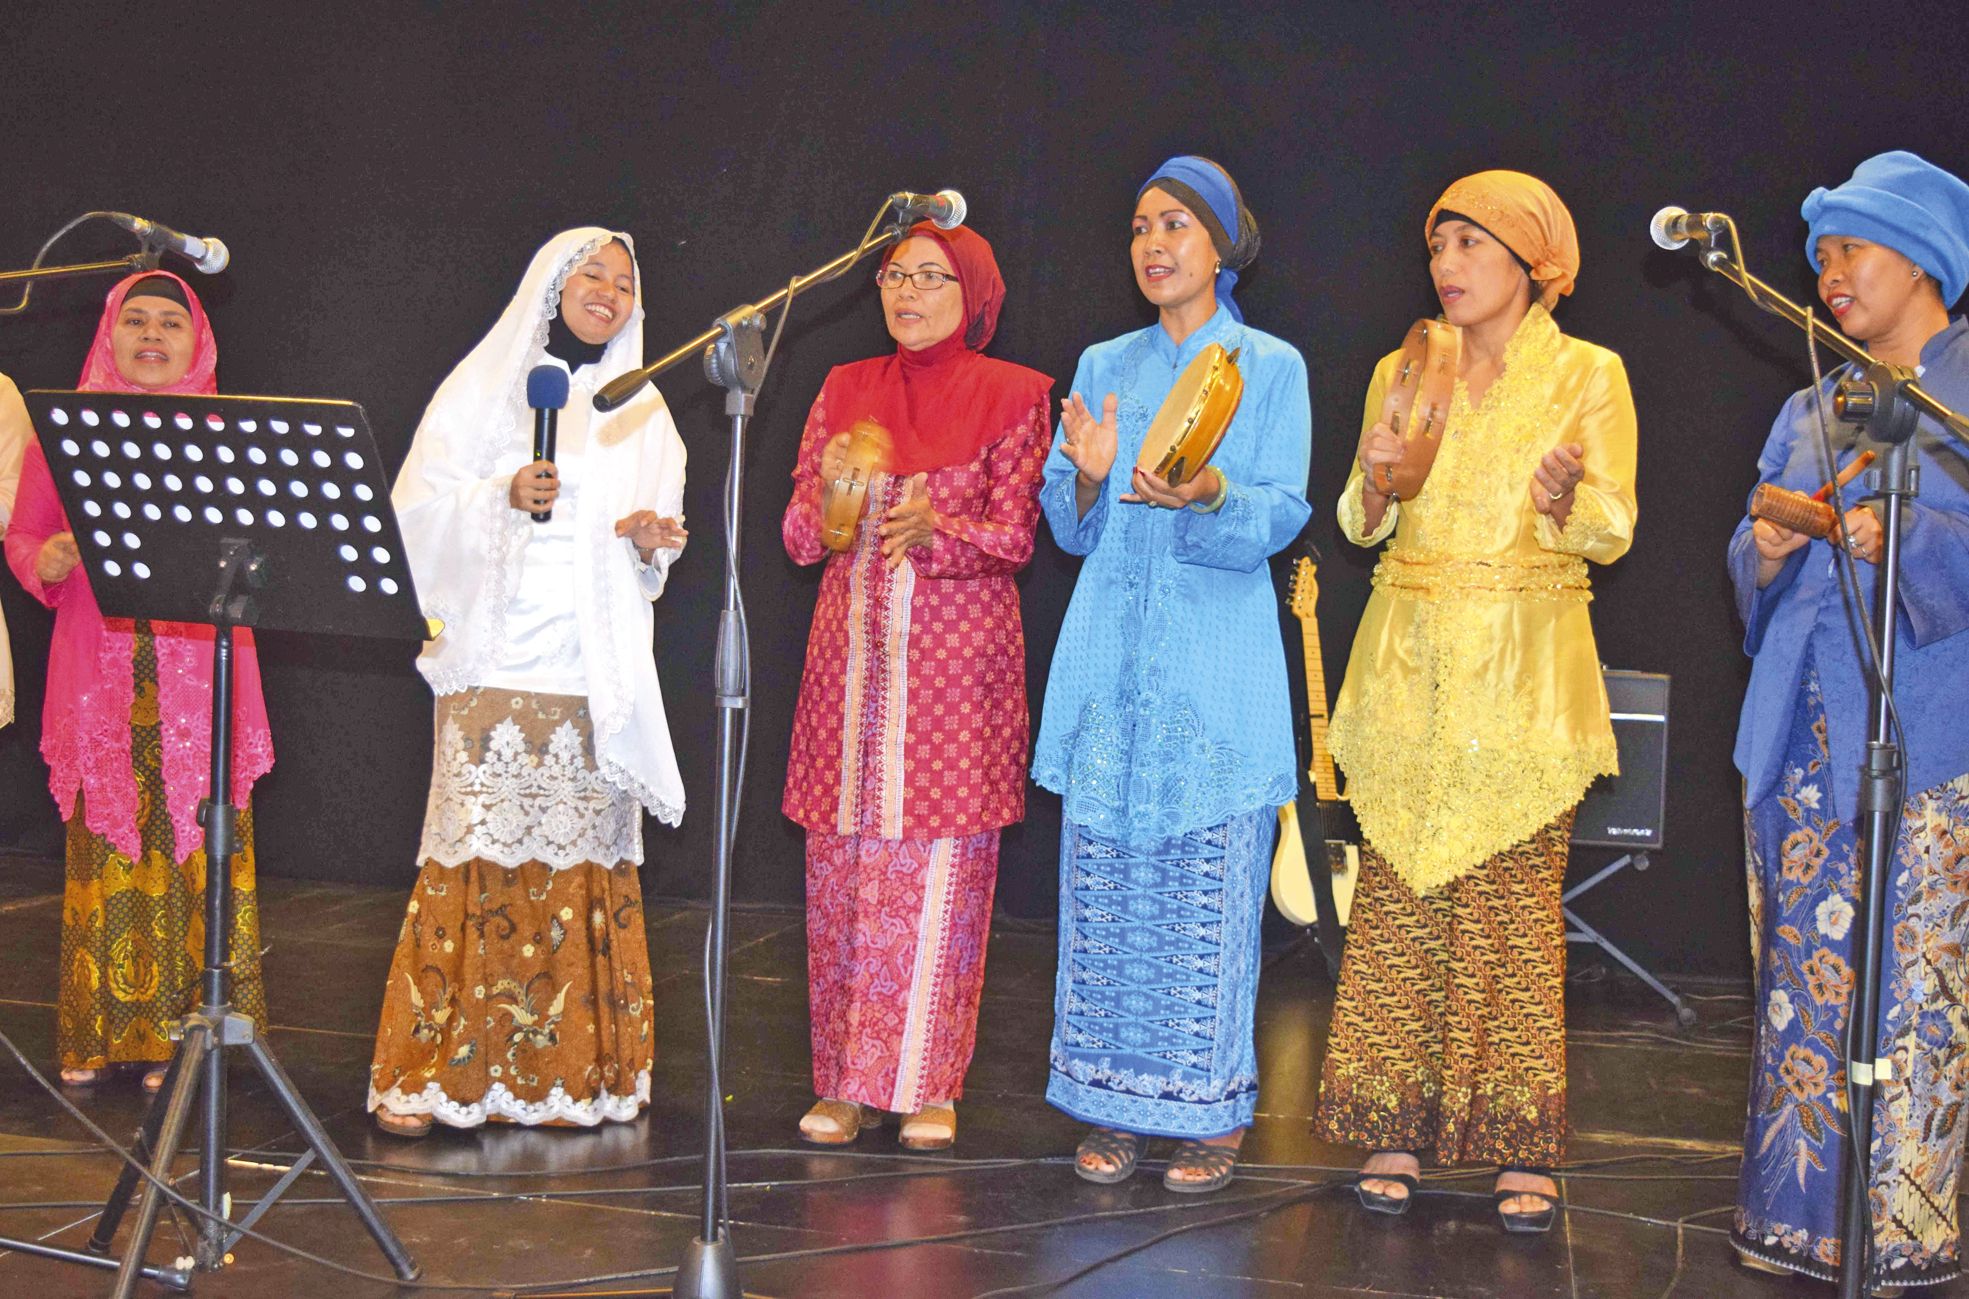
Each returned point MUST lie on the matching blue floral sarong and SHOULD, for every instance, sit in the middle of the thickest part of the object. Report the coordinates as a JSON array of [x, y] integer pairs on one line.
[[1803, 873]]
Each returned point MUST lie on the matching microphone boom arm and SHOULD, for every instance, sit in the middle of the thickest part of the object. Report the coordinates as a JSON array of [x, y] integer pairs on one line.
[[623, 387], [1729, 264]]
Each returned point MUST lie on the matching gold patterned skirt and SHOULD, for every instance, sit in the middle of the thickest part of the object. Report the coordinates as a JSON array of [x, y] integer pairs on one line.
[[1449, 1029], [520, 990], [133, 931]]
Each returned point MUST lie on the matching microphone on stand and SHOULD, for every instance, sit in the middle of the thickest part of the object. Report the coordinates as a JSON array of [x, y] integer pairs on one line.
[[1672, 227], [546, 392], [208, 255], [946, 208]]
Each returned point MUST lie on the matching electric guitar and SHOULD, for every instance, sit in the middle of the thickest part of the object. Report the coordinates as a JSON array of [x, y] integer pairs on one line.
[[1321, 815]]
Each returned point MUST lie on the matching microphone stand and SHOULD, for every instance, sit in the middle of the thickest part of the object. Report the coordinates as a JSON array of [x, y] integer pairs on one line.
[[145, 260], [734, 359], [1887, 401]]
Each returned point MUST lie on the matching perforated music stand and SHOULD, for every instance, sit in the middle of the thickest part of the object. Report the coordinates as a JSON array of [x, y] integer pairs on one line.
[[265, 512]]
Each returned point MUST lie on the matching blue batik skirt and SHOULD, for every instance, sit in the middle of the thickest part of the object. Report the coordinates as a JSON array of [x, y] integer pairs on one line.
[[1158, 978]]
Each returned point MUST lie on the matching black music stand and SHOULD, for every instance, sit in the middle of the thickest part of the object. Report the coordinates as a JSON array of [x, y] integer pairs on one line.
[[260, 512]]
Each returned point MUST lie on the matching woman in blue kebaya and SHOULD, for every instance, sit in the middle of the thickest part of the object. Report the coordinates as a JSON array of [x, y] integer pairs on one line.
[[1167, 727], [1891, 248]]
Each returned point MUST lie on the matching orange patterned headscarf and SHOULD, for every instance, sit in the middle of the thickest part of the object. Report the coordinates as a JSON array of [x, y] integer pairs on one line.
[[1527, 217]]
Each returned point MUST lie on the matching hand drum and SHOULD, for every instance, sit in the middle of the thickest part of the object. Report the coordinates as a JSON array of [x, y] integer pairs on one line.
[[1186, 432], [843, 499], [1417, 405]]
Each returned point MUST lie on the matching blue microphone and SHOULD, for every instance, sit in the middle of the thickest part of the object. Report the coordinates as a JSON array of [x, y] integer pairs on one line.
[[546, 392]]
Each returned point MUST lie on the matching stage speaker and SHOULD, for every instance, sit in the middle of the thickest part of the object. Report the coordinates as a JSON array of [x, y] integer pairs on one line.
[[1626, 811]]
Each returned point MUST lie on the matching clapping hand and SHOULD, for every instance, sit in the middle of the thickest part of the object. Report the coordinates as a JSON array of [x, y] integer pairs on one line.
[[913, 522], [650, 532]]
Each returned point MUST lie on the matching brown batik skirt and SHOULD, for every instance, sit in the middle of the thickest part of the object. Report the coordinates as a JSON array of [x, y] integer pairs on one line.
[[133, 929], [1449, 1031], [518, 993]]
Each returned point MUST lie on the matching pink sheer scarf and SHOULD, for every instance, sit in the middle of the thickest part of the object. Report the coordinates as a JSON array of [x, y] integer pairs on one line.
[[85, 735]]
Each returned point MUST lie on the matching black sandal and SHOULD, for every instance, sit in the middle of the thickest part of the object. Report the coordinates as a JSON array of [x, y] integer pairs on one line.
[[1216, 1163], [1381, 1202], [1536, 1222], [1122, 1149]]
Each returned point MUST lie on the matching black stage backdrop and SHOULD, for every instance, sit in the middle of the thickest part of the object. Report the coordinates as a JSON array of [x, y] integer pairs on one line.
[[383, 172]]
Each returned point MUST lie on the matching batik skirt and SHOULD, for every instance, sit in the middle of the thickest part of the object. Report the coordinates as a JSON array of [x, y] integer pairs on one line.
[[1449, 1027], [133, 930], [1158, 978], [896, 932], [1803, 869], [520, 990]]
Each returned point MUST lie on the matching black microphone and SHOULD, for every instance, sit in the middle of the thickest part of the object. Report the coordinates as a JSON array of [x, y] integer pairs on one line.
[[1673, 226], [208, 255], [946, 207], [546, 392]]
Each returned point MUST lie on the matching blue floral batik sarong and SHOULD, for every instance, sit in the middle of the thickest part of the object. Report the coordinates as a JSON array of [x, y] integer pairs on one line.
[[1158, 978], [1803, 873]]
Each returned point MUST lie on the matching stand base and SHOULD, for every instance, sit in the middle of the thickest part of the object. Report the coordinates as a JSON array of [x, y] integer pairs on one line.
[[171, 1278], [1581, 932], [709, 1271], [207, 1035]]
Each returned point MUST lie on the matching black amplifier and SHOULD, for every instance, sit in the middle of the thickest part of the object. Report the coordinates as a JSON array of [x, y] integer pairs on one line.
[[1625, 811]]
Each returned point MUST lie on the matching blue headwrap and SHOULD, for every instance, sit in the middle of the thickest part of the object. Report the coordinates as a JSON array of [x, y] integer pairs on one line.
[[1208, 190], [1906, 203]]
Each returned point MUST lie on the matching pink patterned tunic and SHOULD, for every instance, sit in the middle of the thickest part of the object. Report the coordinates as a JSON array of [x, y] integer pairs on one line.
[[919, 673]]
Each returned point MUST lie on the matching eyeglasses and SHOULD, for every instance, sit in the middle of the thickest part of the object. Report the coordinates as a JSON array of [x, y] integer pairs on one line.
[[929, 281]]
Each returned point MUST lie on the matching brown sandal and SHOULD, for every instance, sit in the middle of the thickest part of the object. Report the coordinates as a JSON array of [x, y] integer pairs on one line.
[[934, 1127], [407, 1126], [848, 1120]]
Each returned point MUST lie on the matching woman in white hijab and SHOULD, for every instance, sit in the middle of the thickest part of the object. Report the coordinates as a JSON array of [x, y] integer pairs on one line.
[[520, 991]]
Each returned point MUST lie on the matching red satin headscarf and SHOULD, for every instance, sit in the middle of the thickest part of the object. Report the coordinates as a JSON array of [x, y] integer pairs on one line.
[[946, 402], [99, 372]]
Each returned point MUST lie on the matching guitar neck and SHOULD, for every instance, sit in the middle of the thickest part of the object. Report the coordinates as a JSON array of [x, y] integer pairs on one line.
[[1325, 781]]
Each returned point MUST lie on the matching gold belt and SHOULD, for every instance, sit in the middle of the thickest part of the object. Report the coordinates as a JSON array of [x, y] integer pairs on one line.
[[1436, 577]]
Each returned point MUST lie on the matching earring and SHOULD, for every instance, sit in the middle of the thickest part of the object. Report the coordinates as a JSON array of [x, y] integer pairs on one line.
[[1220, 267], [1916, 272]]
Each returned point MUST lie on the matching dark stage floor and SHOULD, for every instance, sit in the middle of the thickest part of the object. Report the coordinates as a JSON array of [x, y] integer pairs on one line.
[[1658, 1117]]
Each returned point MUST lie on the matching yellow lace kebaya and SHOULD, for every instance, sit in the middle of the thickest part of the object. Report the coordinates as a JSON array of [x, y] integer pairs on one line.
[[1473, 711]]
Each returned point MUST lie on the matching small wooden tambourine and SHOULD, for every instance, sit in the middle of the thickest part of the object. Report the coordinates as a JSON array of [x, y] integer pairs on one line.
[[1417, 405], [846, 497], [1194, 417]]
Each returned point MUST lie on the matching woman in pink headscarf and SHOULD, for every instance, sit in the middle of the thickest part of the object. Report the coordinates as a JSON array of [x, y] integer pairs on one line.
[[126, 732]]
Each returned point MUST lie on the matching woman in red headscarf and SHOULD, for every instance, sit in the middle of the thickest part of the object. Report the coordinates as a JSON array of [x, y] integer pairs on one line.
[[126, 733], [909, 743]]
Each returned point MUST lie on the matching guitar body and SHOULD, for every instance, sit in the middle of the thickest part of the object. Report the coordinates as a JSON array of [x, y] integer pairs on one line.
[[1316, 887]]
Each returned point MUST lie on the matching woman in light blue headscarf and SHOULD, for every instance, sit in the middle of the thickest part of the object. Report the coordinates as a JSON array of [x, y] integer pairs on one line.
[[1167, 727], [1891, 248]]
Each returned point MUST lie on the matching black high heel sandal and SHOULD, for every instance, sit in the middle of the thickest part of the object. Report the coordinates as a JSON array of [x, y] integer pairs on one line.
[[1537, 1221], [1381, 1202]]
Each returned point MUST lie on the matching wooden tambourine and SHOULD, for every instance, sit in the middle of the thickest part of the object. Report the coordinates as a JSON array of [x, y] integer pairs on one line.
[[1186, 432], [1417, 405], [841, 505]]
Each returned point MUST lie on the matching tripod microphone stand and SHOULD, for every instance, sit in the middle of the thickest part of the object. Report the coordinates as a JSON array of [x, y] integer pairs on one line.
[[1888, 403], [735, 359]]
